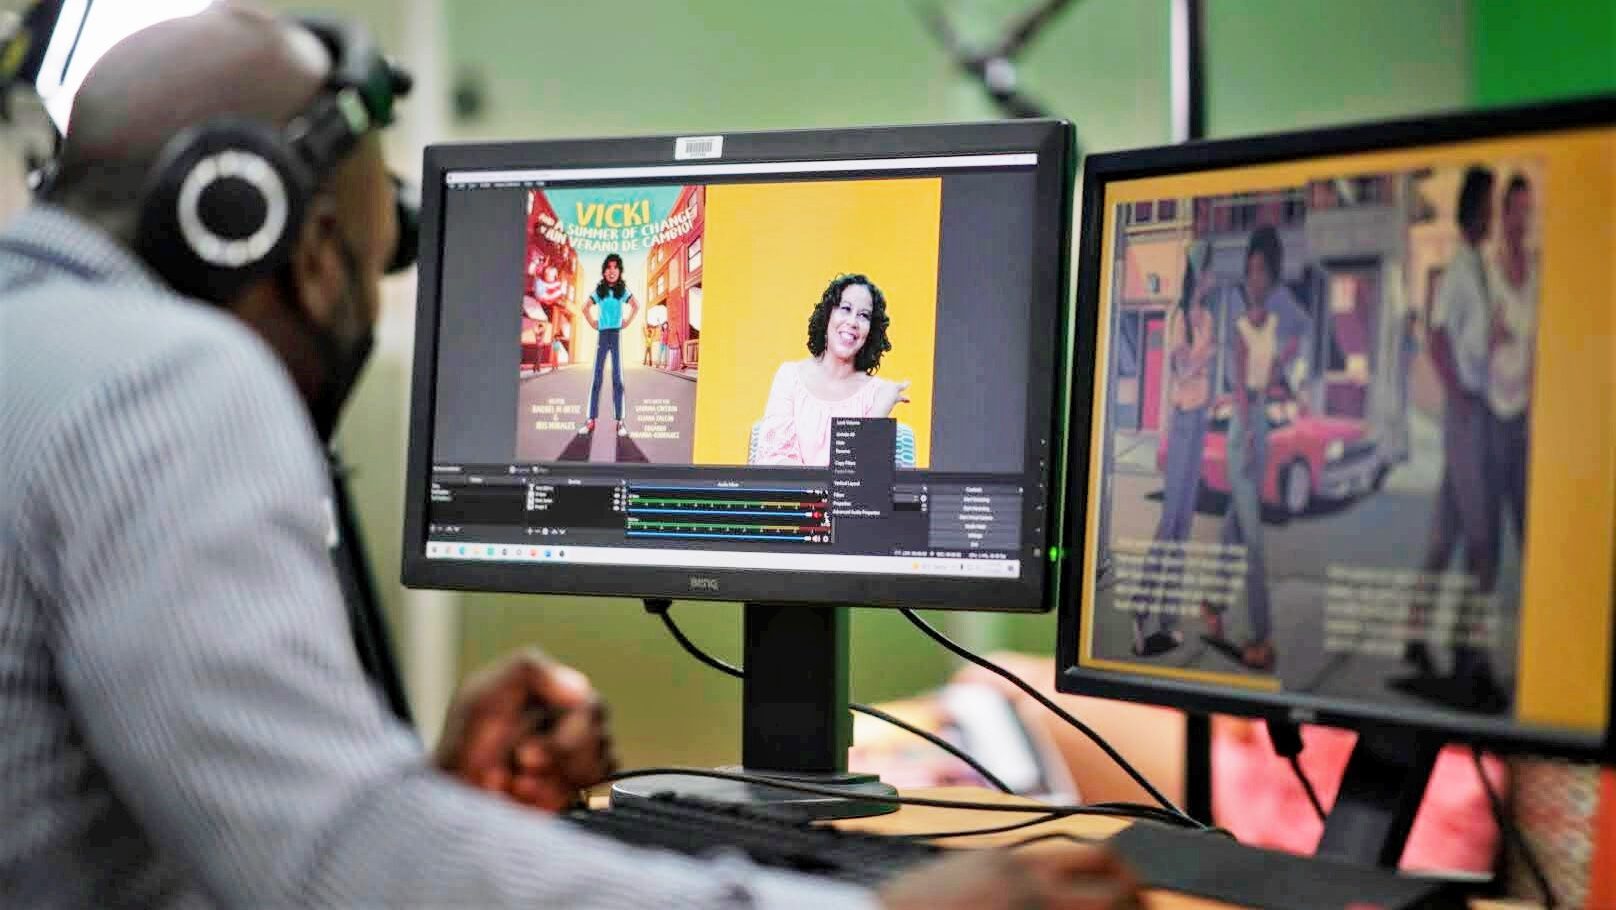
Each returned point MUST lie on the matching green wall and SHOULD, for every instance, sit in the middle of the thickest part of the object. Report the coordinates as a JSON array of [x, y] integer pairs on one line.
[[1532, 51]]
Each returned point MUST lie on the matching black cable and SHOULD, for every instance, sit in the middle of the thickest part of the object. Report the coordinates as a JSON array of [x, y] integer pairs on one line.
[[939, 742], [697, 653], [1307, 787], [1044, 700], [1286, 738], [1052, 835], [971, 832], [1133, 811], [663, 609], [1170, 815], [1506, 827]]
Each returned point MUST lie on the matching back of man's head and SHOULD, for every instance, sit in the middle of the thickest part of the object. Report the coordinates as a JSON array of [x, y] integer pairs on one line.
[[230, 59], [313, 295]]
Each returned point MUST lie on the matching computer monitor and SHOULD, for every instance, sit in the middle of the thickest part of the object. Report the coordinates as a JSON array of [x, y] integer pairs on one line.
[[1344, 439], [803, 370]]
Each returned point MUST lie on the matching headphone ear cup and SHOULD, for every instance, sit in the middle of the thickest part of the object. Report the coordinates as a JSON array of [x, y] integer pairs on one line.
[[222, 208]]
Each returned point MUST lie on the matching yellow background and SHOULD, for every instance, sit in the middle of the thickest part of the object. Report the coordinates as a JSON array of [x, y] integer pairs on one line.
[[770, 251], [1566, 593]]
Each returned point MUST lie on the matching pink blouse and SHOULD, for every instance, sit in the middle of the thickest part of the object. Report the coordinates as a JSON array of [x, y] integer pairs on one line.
[[796, 423]]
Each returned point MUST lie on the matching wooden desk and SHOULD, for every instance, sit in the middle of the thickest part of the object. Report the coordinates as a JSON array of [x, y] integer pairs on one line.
[[919, 819]]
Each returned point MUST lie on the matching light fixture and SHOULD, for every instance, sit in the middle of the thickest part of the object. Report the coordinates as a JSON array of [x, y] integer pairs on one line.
[[83, 31]]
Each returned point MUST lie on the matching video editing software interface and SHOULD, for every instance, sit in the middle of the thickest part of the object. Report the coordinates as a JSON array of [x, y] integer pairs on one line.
[[1354, 434], [817, 366]]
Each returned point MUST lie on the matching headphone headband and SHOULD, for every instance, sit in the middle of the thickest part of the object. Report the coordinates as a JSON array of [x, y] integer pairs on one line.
[[228, 196]]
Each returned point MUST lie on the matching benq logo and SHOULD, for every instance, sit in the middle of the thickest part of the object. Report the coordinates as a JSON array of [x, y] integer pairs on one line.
[[703, 584]]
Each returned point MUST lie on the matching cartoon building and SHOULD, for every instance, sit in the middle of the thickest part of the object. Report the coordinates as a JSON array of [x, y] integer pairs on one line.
[[548, 305], [673, 282]]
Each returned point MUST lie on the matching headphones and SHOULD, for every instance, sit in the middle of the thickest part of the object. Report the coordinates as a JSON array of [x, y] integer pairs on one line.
[[224, 203]]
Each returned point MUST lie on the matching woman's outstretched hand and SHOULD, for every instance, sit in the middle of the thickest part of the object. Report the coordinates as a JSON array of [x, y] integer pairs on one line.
[[888, 395]]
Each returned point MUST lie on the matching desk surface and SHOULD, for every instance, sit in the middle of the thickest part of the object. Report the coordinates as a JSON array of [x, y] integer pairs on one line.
[[918, 819]]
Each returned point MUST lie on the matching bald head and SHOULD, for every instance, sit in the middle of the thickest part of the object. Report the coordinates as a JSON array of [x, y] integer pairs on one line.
[[230, 59]]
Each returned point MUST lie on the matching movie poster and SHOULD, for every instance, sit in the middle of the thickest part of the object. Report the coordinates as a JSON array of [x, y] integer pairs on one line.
[[1317, 434], [611, 324]]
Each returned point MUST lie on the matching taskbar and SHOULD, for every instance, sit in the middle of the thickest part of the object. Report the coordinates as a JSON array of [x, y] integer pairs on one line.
[[945, 567]]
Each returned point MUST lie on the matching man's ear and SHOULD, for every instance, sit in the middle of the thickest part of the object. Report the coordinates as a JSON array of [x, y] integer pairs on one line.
[[317, 263]]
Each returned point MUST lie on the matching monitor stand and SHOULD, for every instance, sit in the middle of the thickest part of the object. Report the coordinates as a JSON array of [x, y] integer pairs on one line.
[[1379, 796], [1356, 859], [795, 724]]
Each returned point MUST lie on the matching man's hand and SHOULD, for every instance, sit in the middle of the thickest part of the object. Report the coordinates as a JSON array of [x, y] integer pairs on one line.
[[1048, 878], [529, 728]]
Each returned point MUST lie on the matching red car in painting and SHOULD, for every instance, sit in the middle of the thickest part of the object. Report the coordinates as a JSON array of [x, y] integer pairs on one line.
[[1310, 457]]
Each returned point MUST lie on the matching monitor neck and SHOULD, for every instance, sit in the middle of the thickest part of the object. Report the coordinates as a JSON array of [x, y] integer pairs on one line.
[[794, 715], [1380, 794], [795, 724]]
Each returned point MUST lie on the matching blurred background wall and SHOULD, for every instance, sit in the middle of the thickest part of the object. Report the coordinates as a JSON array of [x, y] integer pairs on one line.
[[516, 69]]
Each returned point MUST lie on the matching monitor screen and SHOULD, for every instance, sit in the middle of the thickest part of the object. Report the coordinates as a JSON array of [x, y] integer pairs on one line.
[[1352, 426], [808, 367]]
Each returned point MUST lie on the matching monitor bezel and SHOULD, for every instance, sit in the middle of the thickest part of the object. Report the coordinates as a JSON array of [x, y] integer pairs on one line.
[[1101, 170], [1034, 591]]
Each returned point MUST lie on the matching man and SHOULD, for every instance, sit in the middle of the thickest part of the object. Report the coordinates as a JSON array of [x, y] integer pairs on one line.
[[1460, 346], [1261, 352], [185, 718], [1513, 282]]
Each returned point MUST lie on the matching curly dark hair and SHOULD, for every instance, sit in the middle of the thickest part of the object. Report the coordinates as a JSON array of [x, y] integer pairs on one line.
[[876, 343]]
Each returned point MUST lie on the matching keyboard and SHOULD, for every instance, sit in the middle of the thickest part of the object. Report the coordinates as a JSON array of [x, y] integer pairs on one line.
[[772, 838]]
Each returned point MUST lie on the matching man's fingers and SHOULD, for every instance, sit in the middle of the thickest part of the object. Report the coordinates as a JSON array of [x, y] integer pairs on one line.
[[557, 685], [581, 749], [495, 779], [1087, 876], [525, 789], [1093, 895], [531, 755], [1058, 861], [487, 746]]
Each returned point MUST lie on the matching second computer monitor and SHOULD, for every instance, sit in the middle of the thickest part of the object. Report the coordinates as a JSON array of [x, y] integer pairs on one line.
[[1350, 425]]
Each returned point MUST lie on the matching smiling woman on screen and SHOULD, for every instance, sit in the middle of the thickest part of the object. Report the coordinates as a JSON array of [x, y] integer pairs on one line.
[[847, 334]]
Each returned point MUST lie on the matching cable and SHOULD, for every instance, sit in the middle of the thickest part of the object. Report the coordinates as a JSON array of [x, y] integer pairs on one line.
[[1507, 828], [690, 646], [1307, 787], [1125, 810], [663, 608], [972, 832], [1053, 835], [1168, 814], [939, 742], [1286, 738], [1044, 700]]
